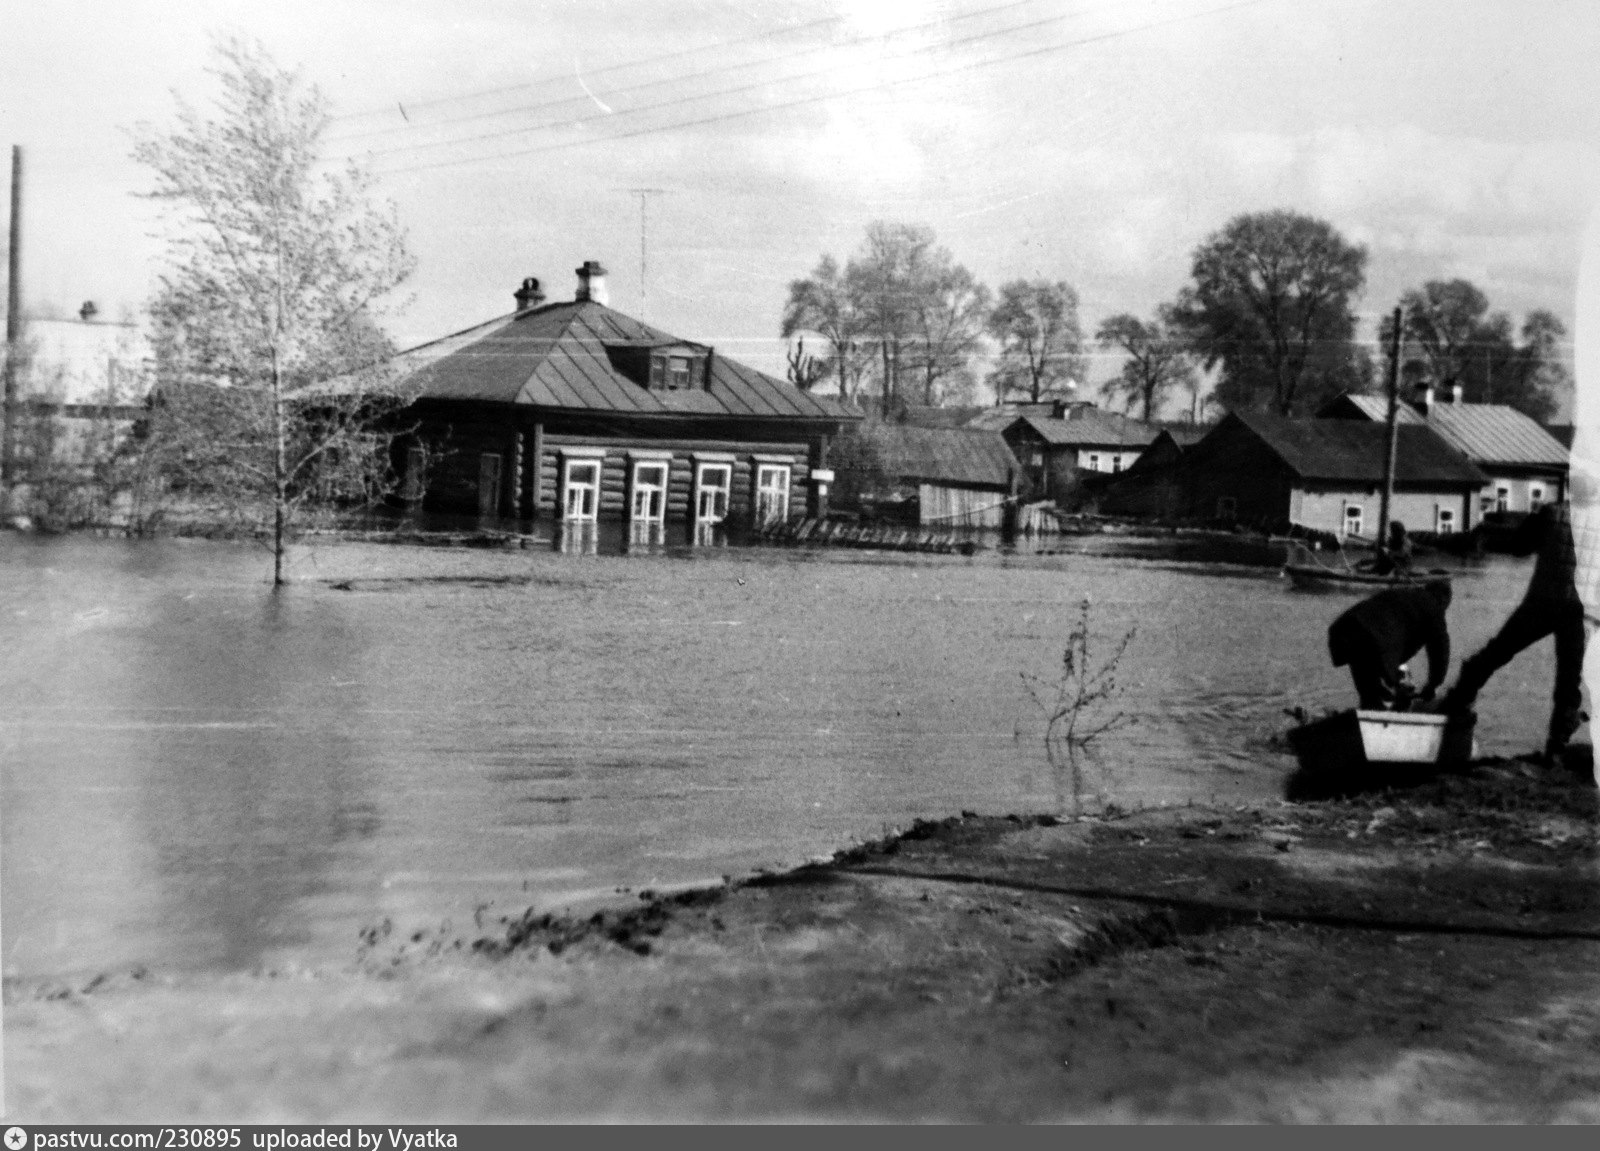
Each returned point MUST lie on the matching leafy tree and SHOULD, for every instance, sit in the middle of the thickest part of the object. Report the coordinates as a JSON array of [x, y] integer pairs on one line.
[[1035, 324], [1450, 337], [274, 274], [1271, 304], [1538, 376], [821, 303], [1157, 362]]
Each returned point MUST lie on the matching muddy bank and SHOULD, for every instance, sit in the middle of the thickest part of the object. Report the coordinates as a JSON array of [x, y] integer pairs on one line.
[[1427, 954]]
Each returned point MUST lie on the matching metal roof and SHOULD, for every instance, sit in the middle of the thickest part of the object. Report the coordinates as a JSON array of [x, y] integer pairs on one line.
[[970, 456], [1372, 407], [1092, 428], [556, 356], [1486, 433], [1497, 434], [1355, 450]]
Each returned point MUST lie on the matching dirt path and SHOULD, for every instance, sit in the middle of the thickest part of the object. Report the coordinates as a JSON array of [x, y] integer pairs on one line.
[[1426, 955]]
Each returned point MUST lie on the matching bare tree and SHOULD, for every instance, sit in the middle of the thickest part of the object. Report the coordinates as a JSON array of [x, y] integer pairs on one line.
[[275, 270], [821, 303], [901, 300], [805, 370], [1041, 344], [1157, 362], [951, 310]]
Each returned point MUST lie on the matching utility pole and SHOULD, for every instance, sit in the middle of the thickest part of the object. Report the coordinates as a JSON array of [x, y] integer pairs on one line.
[[1394, 432], [644, 195], [8, 437]]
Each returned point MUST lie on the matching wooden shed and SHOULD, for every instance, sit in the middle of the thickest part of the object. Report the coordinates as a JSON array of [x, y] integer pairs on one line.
[[961, 477]]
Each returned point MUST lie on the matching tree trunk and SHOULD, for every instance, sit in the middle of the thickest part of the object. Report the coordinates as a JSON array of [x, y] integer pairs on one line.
[[280, 484]]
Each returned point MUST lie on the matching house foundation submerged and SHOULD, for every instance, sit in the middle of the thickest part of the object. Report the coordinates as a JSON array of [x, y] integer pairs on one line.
[[576, 413]]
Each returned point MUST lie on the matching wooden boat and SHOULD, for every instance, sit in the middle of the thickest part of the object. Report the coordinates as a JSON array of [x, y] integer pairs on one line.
[[1309, 575], [1302, 568]]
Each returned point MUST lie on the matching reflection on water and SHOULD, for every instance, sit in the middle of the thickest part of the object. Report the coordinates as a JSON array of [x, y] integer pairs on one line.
[[201, 773]]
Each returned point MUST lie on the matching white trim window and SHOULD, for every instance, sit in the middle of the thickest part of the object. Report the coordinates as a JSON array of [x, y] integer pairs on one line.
[[713, 484], [1502, 498], [648, 503], [1444, 520], [1535, 497], [1354, 519], [580, 489], [772, 494], [1094, 461]]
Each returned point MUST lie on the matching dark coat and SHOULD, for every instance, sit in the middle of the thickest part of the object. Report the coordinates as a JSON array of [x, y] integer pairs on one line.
[[1396, 624]]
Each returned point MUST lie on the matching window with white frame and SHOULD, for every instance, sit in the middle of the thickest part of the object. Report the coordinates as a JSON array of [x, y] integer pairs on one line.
[[772, 493], [580, 489], [1094, 461], [1535, 497], [675, 370], [712, 483], [1353, 519], [649, 503], [1444, 520], [1502, 499]]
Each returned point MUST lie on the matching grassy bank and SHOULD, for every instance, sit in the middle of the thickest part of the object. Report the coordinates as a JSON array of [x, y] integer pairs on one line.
[[1431, 954]]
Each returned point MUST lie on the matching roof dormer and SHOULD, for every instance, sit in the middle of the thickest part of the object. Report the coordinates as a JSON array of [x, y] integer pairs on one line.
[[675, 367]]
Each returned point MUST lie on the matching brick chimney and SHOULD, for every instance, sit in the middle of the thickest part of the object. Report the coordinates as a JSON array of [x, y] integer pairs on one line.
[[530, 295], [592, 283]]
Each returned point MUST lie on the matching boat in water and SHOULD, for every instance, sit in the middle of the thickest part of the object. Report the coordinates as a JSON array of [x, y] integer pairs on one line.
[[1308, 574]]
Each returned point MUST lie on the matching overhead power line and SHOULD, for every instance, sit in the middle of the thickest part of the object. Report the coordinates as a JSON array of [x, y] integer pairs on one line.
[[815, 99], [628, 66], [522, 109], [741, 89]]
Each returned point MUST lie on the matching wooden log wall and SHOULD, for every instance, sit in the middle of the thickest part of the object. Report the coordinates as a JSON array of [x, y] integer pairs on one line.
[[615, 471], [530, 468]]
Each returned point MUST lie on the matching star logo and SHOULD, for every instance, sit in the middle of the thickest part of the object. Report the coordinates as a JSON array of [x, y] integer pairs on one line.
[[16, 1138]]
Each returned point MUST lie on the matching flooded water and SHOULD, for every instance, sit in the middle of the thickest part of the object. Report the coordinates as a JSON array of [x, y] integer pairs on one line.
[[202, 774]]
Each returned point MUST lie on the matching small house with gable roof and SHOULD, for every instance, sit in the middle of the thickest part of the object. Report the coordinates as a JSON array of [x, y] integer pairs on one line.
[[1080, 441], [1526, 466], [1326, 475]]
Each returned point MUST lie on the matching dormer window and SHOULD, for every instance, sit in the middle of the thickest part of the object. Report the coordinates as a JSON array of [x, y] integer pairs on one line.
[[677, 369]]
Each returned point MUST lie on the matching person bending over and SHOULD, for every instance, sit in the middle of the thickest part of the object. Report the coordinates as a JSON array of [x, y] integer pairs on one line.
[[1379, 634]]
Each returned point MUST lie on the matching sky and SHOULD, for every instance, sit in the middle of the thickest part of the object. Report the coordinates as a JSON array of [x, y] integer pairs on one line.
[[1088, 141]]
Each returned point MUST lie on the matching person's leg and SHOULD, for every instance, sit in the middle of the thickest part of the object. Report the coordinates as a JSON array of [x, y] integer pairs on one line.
[[1525, 626], [1567, 700], [1376, 684]]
